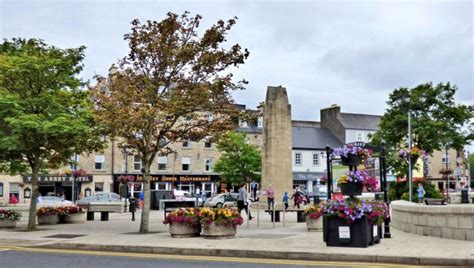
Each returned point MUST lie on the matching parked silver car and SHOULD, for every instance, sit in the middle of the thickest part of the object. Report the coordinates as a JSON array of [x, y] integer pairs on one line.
[[96, 198], [218, 201]]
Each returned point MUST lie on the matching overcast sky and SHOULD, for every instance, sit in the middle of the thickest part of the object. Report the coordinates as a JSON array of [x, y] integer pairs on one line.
[[352, 53]]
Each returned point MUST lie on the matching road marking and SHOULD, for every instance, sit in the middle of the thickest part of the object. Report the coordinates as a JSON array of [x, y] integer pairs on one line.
[[202, 258]]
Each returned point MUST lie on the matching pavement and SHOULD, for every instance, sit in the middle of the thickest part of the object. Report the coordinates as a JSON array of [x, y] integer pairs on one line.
[[253, 240]]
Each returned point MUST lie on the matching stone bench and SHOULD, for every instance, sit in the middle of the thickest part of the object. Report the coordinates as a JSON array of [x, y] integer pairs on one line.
[[435, 201], [103, 208]]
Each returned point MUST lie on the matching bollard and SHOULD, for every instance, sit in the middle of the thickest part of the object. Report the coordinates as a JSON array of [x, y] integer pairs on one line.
[[133, 207]]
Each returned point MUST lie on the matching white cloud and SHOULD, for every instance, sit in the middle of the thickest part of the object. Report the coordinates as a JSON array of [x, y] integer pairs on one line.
[[348, 52]]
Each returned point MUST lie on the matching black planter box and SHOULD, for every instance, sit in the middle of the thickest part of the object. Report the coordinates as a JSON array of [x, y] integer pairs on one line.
[[350, 160], [357, 234], [375, 233], [351, 188]]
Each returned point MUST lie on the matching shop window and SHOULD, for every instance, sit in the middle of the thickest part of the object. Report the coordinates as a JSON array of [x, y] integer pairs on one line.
[[137, 163], [186, 163], [99, 187], [99, 162], [1, 189], [161, 186], [208, 164], [162, 161], [15, 190]]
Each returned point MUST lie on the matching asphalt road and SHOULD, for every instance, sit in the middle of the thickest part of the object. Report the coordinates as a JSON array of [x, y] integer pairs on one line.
[[22, 258]]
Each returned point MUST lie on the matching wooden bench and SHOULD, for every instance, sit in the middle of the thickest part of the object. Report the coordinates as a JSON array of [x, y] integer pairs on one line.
[[300, 216], [435, 201], [103, 208], [170, 205]]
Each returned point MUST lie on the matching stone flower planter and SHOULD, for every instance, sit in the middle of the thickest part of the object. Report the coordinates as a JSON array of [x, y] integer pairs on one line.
[[314, 225], [7, 224], [178, 229], [214, 231], [75, 218], [48, 219]]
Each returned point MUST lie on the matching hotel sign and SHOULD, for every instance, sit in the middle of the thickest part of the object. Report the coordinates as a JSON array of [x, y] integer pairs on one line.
[[28, 179]]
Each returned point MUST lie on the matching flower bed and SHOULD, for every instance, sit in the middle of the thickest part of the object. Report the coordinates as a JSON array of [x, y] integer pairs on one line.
[[220, 223], [71, 214], [313, 217], [47, 215], [8, 218], [184, 222], [353, 222]]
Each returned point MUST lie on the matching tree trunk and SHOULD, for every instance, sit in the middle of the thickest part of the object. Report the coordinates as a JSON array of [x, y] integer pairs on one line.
[[146, 200], [35, 192]]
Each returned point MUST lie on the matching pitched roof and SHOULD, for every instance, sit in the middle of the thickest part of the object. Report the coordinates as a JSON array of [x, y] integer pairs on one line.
[[313, 138], [360, 121]]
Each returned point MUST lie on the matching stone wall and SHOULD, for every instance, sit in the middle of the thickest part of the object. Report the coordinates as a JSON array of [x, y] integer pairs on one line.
[[449, 221]]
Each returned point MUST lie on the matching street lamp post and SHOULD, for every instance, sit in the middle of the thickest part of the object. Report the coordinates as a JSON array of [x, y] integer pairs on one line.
[[410, 186], [447, 175], [125, 154], [74, 177]]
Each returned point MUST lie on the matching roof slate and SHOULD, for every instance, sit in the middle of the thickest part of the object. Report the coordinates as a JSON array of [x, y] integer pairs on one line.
[[313, 138], [360, 121]]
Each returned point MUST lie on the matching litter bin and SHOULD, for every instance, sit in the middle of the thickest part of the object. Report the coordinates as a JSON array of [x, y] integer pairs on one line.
[[464, 196]]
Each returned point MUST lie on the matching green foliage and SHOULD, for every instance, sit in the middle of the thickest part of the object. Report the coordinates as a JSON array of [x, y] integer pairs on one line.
[[437, 121], [399, 190], [471, 163], [175, 84], [44, 115], [240, 161]]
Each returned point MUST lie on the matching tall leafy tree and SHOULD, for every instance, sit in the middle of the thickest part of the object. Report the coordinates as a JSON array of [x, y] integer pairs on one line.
[[174, 85], [437, 121], [45, 117], [240, 161]]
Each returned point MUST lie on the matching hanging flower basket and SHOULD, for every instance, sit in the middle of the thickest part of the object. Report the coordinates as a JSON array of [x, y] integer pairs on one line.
[[351, 155], [351, 188]]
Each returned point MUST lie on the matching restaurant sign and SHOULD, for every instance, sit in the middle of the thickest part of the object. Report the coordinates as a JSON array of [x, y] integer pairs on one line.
[[89, 178], [176, 178]]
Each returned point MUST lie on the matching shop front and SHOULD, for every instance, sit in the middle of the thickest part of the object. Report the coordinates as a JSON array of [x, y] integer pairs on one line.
[[188, 183], [308, 181], [59, 185]]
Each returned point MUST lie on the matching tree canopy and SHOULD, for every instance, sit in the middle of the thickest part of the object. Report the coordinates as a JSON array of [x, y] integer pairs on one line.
[[437, 121], [240, 161], [45, 117], [173, 85]]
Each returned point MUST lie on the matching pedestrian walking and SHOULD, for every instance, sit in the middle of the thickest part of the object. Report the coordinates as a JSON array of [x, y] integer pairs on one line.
[[270, 197], [141, 197], [242, 200], [285, 199], [421, 193], [296, 198]]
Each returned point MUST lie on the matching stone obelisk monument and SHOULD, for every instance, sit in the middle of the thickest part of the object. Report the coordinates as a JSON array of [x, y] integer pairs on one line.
[[276, 158]]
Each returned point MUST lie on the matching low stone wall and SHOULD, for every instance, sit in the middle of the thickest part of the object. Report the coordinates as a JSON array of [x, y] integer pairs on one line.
[[450, 221]]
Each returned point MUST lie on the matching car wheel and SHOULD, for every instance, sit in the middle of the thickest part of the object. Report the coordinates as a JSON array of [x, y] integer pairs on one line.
[[218, 205]]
